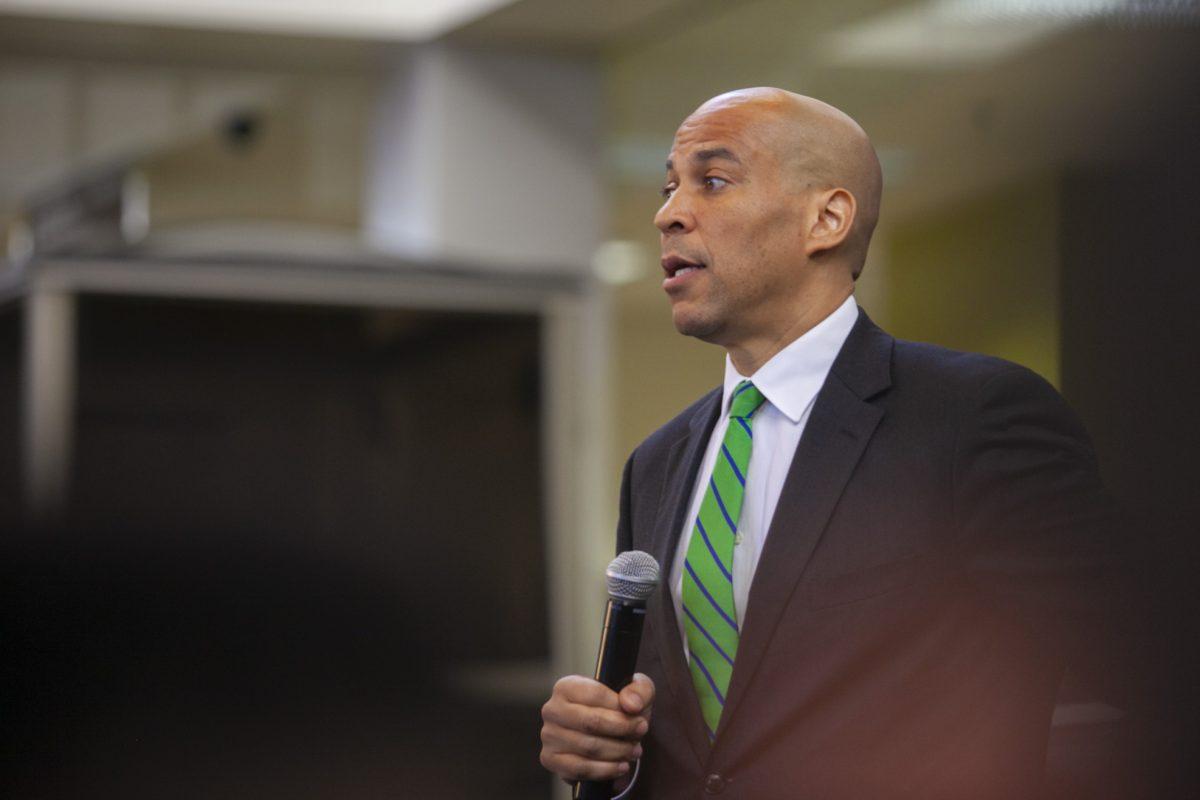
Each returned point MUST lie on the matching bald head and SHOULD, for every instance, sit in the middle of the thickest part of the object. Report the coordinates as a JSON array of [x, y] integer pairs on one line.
[[819, 147]]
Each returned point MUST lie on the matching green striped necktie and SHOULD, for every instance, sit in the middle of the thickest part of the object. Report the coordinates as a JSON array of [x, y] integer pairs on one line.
[[710, 621]]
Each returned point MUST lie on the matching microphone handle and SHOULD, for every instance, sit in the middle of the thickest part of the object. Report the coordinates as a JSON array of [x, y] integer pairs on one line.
[[615, 663]]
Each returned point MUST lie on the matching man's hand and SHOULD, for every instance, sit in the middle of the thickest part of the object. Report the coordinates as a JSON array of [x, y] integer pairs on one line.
[[590, 732]]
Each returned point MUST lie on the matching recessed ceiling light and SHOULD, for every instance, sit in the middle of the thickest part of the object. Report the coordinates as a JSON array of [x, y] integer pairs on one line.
[[945, 33]]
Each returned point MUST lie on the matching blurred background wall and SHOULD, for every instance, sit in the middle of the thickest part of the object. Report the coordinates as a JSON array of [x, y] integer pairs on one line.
[[323, 337]]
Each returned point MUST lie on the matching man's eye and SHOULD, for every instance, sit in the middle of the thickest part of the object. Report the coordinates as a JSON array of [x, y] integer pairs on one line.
[[713, 182], [667, 191]]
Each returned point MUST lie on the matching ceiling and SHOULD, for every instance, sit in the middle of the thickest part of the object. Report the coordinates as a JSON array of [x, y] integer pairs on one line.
[[1083, 91], [953, 101], [958, 95], [394, 20]]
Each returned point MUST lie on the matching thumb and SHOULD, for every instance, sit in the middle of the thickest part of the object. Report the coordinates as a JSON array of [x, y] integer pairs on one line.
[[638, 696]]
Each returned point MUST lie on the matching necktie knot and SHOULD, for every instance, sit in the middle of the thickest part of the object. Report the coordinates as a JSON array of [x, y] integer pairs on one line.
[[746, 400]]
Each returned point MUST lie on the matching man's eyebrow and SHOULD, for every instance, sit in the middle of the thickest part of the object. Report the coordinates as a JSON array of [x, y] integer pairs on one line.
[[709, 154]]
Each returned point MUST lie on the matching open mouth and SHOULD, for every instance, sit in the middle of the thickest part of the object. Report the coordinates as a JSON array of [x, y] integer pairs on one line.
[[677, 266]]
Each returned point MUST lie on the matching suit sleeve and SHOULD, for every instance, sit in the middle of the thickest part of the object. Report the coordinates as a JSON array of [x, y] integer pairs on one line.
[[1042, 539]]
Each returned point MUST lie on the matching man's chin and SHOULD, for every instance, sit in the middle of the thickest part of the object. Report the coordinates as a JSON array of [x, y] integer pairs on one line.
[[695, 325]]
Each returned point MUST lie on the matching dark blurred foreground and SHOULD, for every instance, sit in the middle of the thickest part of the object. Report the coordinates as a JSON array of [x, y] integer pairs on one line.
[[225, 671]]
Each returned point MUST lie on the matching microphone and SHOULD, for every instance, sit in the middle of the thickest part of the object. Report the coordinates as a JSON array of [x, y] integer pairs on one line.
[[632, 577]]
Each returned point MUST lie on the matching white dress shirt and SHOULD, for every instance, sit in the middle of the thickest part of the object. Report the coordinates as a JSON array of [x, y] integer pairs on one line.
[[789, 382]]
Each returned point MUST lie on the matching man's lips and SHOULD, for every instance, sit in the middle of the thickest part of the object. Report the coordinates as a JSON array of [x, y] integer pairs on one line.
[[675, 266]]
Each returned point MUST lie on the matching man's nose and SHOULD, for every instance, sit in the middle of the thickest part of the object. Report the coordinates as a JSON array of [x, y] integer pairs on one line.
[[674, 216]]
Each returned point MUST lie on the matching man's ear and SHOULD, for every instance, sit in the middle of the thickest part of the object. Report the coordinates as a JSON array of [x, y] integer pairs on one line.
[[836, 209]]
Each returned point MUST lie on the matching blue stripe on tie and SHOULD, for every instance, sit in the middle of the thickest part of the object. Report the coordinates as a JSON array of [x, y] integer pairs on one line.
[[742, 422], [716, 558], [700, 586], [746, 385], [721, 505], [704, 669], [736, 471], [707, 635]]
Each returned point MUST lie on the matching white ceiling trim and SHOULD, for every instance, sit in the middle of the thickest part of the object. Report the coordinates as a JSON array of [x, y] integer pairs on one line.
[[393, 20]]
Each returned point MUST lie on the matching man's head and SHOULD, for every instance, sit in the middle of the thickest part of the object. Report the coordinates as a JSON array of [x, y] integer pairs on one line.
[[774, 197]]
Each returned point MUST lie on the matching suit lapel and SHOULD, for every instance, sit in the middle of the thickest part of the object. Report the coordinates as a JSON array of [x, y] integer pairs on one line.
[[683, 462], [838, 430]]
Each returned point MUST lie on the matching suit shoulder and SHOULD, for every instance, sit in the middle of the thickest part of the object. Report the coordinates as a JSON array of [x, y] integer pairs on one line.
[[955, 370], [980, 392]]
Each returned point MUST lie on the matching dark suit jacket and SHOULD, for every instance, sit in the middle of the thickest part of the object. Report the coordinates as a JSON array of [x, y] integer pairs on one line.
[[935, 557]]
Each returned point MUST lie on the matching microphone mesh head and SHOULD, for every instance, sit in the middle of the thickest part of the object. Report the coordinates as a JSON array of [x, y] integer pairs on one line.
[[632, 576]]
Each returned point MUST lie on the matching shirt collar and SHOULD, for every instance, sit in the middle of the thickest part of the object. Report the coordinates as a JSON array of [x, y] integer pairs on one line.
[[794, 375]]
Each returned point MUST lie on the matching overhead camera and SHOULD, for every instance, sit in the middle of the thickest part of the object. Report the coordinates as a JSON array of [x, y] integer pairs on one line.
[[241, 129]]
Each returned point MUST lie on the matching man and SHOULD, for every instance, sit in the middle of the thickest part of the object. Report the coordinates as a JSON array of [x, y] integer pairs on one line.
[[878, 555]]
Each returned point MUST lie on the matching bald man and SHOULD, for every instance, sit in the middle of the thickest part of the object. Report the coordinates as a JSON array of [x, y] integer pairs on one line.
[[878, 554]]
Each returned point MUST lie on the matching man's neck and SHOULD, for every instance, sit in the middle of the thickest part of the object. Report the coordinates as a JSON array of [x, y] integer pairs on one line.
[[749, 356]]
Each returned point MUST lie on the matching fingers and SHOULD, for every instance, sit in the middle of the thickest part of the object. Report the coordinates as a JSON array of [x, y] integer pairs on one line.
[[581, 704], [574, 768], [588, 746], [586, 734]]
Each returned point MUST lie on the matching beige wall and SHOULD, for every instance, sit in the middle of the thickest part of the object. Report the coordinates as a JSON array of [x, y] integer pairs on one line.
[[983, 275], [658, 372], [305, 166], [60, 115]]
